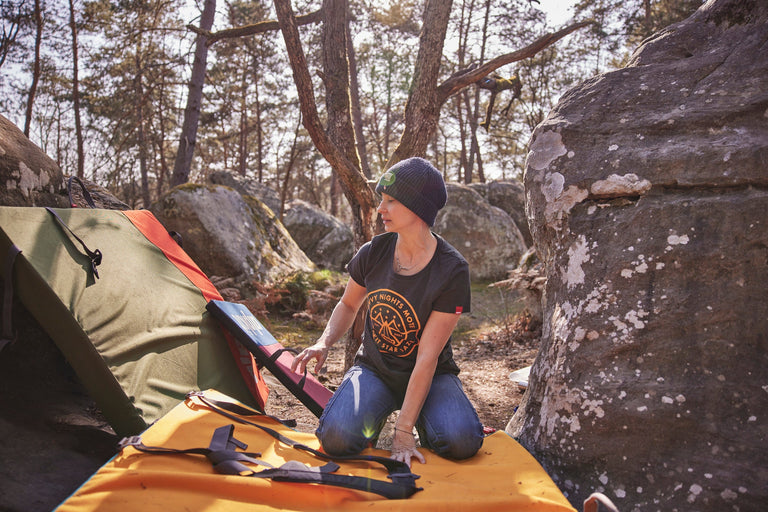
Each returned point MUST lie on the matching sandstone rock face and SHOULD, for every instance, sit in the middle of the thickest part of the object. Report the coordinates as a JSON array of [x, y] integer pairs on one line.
[[247, 187], [648, 197], [327, 241], [28, 177], [231, 235], [100, 196], [485, 235], [510, 197]]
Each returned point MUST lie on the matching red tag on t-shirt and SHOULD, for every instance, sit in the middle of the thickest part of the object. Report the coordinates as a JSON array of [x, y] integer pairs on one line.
[[459, 309]]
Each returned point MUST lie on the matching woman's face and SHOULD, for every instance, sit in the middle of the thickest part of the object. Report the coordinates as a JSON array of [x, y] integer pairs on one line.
[[395, 215]]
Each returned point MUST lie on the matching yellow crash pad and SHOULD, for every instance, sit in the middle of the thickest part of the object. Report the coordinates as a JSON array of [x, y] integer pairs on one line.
[[502, 476]]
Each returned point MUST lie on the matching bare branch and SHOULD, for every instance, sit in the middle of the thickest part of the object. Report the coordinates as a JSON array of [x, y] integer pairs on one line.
[[253, 29], [460, 80]]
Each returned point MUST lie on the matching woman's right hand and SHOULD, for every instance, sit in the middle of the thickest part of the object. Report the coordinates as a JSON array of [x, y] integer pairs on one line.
[[318, 352]]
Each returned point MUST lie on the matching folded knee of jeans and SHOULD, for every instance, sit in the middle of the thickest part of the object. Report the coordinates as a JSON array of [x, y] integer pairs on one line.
[[341, 443], [458, 448]]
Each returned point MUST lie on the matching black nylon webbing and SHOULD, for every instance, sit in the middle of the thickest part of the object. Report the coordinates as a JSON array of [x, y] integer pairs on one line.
[[396, 468], [94, 256], [86, 193], [244, 411], [274, 357], [7, 334], [288, 473], [226, 460]]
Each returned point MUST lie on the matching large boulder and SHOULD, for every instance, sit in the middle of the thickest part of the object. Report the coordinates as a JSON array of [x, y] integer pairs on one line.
[[247, 187], [486, 236], [510, 197], [327, 241], [231, 235], [100, 196], [28, 177], [648, 193]]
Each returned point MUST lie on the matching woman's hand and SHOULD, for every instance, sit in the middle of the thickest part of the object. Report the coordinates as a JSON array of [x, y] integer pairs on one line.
[[318, 352], [340, 322], [404, 447], [433, 339]]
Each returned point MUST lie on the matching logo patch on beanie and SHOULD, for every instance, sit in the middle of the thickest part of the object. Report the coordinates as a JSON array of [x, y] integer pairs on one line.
[[387, 179]]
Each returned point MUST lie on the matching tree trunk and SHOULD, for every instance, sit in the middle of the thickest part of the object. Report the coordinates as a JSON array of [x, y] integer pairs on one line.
[[335, 194], [76, 93], [475, 111], [36, 69], [8, 37], [259, 128], [465, 166], [359, 195], [336, 78], [472, 114], [188, 136], [338, 145], [242, 145], [160, 142], [648, 20], [141, 135], [357, 116], [288, 171], [423, 108], [388, 112]]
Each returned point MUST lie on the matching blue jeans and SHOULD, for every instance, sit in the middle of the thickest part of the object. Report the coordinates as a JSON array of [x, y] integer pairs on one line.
[[355, 414]]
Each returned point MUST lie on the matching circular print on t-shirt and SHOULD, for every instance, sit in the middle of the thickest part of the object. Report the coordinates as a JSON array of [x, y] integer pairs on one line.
[[395, 326]]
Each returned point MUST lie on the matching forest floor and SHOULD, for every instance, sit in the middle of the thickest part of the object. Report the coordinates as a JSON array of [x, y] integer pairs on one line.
[[53, 438]]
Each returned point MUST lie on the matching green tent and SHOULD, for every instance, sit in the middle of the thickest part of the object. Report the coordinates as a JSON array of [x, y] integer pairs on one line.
[[134, 325]]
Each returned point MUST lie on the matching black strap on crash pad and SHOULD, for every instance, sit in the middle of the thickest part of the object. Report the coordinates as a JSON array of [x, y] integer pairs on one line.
[[398, 470], [222, 453], [293, 471], [94, 256], [86, 193], [239, 410], [276, 355], [7, 337]]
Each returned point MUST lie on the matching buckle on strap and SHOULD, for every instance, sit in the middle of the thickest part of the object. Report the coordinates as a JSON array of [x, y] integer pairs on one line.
[[134, 441], [404, 478]]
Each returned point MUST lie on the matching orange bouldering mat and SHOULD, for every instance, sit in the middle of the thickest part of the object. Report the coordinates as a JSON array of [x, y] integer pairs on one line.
[[502, 476]]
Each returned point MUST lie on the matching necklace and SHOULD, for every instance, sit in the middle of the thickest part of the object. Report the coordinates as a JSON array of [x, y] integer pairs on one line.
[[399, 266]]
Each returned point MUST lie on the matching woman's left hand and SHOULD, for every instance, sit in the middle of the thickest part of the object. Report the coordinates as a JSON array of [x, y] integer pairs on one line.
[[404, 448]]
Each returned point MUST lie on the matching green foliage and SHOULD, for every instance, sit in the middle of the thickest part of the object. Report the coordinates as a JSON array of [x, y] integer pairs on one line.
[[16, 17], [623, 24], [297, 286], [386, 36], [400, 17], [294, 290], [640, 24], [325, 279], [245, 94]]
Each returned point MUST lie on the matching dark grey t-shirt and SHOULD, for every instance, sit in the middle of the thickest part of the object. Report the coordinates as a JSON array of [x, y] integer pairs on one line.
[[399, 306]]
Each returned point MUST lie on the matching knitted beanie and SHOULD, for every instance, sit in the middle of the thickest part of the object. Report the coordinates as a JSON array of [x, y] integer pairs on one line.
[[418, 185]]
